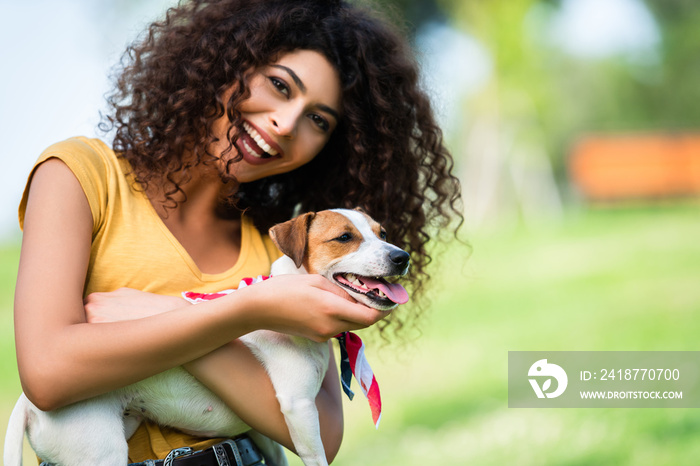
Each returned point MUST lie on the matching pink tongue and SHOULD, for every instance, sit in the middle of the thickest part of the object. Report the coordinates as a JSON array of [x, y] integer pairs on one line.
[[395, 292]]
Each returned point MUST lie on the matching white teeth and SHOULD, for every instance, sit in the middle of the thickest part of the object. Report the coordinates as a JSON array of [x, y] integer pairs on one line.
[[250, 150], [259, 139], [354, 280], [265, 146]]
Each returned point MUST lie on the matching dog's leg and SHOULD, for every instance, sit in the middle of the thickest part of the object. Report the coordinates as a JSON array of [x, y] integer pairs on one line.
[[89, 432], [301, 416], [296, 367]]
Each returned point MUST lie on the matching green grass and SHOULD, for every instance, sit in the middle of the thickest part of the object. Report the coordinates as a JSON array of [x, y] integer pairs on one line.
[[615, 279], [9, 381]]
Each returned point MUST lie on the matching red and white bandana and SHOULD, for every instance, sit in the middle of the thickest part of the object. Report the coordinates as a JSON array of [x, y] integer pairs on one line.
[[354, 362], [352, 353], [196, 298]]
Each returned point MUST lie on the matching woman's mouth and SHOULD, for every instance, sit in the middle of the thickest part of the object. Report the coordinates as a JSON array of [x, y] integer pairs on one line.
[[253, 146]]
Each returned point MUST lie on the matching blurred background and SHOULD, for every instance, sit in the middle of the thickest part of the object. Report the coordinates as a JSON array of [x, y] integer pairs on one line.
[[575, 128]]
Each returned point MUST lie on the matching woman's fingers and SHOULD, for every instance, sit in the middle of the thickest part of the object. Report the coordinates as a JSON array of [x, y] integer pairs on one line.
[[308, 306]]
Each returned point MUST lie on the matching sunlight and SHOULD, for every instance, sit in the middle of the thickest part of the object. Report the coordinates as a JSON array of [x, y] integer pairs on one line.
[[604, 28]]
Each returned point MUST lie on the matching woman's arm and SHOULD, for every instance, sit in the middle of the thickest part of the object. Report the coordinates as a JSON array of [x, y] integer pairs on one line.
[[63, 359], [232, 372], [235, 375]]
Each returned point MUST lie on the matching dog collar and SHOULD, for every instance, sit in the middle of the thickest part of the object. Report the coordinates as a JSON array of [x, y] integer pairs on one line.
[[196, 298], [353, 361]]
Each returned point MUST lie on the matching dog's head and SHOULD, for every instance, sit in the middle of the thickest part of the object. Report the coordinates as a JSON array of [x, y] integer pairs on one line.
[[349, 248]]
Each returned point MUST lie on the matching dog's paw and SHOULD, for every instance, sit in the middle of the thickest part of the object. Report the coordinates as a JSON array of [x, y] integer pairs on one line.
[[131, 419], [133, 413], [136, 408]]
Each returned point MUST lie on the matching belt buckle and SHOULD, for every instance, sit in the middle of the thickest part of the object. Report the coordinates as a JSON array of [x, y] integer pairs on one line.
[[222, 457], [177, 453]]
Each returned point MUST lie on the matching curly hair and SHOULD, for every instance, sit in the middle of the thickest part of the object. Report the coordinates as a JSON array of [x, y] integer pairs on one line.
[[386, 155]]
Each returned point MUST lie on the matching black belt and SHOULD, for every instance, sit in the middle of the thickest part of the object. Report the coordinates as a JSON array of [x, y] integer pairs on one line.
[[239, 452]]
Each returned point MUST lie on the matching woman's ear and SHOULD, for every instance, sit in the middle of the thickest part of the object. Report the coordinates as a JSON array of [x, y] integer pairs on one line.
[[291, 236]]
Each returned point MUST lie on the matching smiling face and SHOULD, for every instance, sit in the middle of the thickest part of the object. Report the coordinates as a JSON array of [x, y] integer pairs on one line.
[[294, 106], [349, 248]]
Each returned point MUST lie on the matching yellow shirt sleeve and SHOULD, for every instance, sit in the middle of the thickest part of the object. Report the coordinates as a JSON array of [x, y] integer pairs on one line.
[[85, 158]]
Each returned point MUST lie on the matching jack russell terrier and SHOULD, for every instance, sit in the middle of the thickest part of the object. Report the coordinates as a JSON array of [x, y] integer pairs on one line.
[[345, 246]]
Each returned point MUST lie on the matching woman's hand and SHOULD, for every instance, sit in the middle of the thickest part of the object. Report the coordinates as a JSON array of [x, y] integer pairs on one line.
[[305, 305], [127, 304]]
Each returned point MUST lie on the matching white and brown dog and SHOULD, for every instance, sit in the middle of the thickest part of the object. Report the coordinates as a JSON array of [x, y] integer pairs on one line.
[[345, 246]]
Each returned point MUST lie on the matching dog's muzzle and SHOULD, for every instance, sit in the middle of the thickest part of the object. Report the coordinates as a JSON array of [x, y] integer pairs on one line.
[[239, 452]]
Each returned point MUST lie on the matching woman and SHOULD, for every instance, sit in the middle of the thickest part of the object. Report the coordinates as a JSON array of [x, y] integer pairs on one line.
[[229, 116]]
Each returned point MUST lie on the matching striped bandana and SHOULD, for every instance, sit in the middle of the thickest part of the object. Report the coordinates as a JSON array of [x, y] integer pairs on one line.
[[352, 353], [354, 362]]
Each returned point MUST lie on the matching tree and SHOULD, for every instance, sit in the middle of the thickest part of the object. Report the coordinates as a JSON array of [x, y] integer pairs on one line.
[[506, 158]]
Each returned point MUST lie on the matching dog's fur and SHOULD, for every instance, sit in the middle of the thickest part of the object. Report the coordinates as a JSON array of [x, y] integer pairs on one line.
[[331, 243]]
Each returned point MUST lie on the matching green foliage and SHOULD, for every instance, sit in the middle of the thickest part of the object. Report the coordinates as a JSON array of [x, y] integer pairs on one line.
[[671, 100], [552, 97]]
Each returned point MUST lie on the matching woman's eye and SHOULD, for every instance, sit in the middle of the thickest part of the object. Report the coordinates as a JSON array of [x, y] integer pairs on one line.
[[280, 85], [319, 121]]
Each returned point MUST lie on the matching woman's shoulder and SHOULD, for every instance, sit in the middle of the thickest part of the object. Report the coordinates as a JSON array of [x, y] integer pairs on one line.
[[82, 151], [92, 162]]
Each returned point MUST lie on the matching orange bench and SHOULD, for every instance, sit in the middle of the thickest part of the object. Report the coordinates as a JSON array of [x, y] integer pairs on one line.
[[642, 166]]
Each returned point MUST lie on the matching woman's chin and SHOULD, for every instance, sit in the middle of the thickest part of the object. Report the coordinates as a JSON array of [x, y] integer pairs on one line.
[[241, 172]]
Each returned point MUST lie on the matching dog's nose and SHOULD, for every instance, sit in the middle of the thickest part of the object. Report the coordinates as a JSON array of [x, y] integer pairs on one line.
[[399, 257]]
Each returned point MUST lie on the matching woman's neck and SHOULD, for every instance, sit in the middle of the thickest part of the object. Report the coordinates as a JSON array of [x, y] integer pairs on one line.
[[200, 219], [202, 194]]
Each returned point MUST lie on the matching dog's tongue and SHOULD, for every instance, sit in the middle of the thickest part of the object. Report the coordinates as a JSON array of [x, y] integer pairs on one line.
[[395, 292]]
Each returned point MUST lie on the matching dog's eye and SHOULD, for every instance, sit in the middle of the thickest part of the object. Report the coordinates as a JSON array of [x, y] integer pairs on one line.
[[344, 238], [382, 234]]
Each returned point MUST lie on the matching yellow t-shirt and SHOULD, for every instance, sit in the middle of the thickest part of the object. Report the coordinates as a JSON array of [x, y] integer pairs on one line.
[[132, 247]]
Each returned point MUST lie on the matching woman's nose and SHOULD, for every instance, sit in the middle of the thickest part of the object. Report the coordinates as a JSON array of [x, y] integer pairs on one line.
[[285, 122]]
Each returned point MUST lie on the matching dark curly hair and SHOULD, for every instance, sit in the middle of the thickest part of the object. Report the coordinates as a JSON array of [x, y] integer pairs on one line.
[[386, 154]]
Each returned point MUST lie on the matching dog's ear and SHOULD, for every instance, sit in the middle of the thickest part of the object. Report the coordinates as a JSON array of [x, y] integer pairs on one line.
[[361, 210], [290, 237]]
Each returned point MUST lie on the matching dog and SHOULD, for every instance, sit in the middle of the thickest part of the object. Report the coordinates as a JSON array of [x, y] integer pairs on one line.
[[345, 246]]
